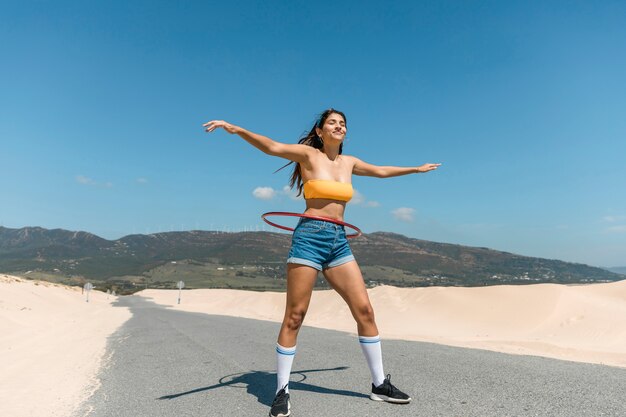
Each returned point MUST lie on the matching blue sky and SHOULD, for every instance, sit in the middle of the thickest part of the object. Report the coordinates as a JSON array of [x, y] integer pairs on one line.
[[523, 103]]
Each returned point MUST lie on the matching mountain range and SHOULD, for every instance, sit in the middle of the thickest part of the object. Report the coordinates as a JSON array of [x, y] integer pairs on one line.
[[255, 260], [618, 269]]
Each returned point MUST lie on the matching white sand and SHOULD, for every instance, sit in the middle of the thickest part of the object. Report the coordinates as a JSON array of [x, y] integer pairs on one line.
[[585, 323], [52, 343]]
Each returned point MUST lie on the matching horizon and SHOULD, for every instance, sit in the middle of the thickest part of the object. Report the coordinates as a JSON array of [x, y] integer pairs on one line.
[[269, 229], [523, 104]]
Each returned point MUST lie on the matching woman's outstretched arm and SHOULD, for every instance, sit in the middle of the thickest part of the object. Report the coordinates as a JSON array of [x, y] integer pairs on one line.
[[293, 152], [369, 170]]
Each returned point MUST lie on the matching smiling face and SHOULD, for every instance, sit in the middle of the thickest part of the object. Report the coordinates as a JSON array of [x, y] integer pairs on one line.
[[334, 128]]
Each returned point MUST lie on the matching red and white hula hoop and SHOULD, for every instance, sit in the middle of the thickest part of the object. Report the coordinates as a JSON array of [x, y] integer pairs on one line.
[[357, 231]]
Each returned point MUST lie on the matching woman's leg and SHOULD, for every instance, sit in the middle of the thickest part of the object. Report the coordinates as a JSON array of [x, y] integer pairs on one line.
[[300, 282], [347, 280]]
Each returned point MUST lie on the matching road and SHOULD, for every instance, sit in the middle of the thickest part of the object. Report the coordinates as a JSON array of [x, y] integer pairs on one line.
[[163, 362]]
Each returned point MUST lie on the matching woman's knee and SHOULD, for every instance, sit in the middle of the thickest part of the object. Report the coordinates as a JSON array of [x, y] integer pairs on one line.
[[294, 318], [364, 313]]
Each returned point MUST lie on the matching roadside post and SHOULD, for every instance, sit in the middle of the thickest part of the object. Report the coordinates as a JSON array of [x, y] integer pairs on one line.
[[88, 287], [180, 286]]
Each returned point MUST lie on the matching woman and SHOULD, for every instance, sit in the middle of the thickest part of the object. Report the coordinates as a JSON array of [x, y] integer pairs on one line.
[[325, 176]]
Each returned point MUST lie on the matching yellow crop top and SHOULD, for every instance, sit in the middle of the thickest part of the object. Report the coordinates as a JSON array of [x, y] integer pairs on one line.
[[332, 190]]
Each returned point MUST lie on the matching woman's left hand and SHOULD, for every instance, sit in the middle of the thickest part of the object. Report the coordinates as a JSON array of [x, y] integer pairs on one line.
[[214, 124], [427, 167]]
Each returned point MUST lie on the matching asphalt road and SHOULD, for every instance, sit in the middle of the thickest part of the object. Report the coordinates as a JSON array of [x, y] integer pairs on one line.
[[169, 363]]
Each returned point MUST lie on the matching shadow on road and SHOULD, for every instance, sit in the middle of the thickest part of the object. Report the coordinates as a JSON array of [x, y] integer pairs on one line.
[[262, 385]]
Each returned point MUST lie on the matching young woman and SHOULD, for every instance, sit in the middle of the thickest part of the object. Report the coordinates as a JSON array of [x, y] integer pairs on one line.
[[325, 175]]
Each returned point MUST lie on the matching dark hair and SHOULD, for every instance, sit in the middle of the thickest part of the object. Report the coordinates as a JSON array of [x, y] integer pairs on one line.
[[312, 139]]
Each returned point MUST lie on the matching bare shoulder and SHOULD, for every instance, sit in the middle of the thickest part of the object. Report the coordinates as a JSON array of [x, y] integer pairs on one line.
[[294, 152], [304, 149], [351, 160]]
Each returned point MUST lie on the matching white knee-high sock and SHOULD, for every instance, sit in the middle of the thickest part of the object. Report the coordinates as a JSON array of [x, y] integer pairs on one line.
[[284, 360], [374, 356]]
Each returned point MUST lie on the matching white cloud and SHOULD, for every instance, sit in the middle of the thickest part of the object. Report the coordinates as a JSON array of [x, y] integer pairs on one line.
[[293, 194], [264, 193], [359, 199], [404, 214], [613, 219], [81, 179], [615, 223], [142, 180]]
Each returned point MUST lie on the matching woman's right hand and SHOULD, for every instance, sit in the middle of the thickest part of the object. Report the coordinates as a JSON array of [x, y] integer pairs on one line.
[[214, 124]]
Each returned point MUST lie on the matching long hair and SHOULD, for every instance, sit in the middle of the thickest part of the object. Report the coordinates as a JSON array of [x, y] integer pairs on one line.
[[312, 139]]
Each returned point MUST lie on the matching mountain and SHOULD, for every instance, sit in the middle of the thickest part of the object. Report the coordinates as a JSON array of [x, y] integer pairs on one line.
[[256, 260], [618, 269]]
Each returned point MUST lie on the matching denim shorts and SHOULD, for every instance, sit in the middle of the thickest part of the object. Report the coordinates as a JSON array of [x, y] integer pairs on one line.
[[319, 244]]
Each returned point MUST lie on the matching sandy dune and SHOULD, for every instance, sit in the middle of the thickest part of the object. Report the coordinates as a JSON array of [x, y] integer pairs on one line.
[[52, 344], [585, 323]]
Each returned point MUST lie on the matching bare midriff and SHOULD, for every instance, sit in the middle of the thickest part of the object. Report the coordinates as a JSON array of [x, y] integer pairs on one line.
[[322, 207]]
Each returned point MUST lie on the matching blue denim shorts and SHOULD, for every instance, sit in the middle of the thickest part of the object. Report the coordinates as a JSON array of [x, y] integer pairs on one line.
[[319, 244]]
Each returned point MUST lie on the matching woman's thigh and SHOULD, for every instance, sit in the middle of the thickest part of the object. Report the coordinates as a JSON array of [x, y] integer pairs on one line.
[[347, 280], [300, 282]]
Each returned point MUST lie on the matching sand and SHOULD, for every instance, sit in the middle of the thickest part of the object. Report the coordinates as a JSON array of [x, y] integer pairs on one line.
[[52, 344], [584, 323]]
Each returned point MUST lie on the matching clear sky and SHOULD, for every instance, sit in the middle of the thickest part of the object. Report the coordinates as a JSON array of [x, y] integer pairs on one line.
[[524, 104]]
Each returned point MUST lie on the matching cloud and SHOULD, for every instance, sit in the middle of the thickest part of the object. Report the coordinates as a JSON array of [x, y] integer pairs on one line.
[[615, 223], [264, 193], [613, 219], [359, 199], [81, 179], [293, 194], [142, 181], [404, 214]]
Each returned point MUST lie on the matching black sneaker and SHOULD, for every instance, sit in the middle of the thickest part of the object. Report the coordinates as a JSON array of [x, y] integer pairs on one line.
[[281, 407], [389, 393]]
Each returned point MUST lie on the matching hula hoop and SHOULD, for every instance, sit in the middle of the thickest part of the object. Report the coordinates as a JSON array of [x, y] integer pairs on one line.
[[307, 216]]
